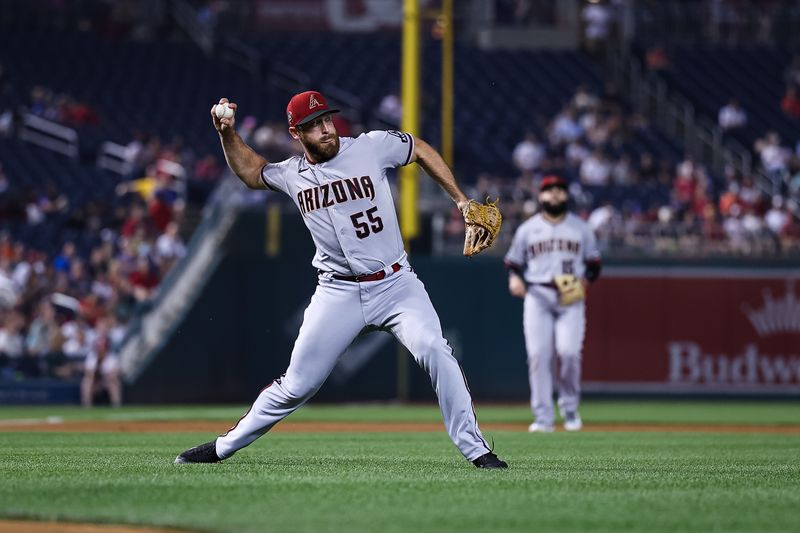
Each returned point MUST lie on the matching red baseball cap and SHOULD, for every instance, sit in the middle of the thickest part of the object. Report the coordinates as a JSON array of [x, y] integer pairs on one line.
[[553, 181], [305, 107]]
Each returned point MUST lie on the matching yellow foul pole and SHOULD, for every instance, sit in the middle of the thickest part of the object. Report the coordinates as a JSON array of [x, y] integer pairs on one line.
[[447, 81], [409, 175]]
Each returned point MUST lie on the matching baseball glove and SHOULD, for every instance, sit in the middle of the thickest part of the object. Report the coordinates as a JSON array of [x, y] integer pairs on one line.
[[570, 289], [483, 225]]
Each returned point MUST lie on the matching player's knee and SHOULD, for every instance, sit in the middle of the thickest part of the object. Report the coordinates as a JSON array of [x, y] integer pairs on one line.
[[570, 354], [429, 345], [539, 359], [299, 390]]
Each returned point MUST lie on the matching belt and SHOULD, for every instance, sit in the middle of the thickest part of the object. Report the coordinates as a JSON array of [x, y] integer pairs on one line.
[[375, 276], [549, 285]]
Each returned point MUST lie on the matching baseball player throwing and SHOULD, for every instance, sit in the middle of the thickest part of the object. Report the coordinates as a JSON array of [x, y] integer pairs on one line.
[[552, 258], [339, 185]]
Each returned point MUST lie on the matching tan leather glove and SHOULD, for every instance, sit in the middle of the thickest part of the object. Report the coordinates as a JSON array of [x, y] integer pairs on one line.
[[483, 225]]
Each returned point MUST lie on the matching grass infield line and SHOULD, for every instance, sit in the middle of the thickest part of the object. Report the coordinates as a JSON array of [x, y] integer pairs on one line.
[[53, 424]]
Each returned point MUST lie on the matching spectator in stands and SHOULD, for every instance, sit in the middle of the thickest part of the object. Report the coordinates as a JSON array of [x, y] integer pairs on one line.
[[623, 172], [63, 262], [166, 204], [777, 218], [169, 247], [596, 169], [793, 182], [79, 281], [792, 74], [729, 198], [528, 154], [207, 172], [12, 341], [711, 228], [734, 229], [657, 58], [774, 157], [143, 280], [790, 104], [134, 220], [701, 200], [247, 128], [648, 172], [8, 122], [207, 168], [273, 139], [732, 116], [576, 153], [565, 128], [597, 18], [749, 195], [78, 337], [584, 100], [43, 331], [684, 185], [102, 370], [390, 108]]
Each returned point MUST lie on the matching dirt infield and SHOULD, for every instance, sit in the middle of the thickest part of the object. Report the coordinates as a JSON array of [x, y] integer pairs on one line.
[[365, 427], [20, 526]]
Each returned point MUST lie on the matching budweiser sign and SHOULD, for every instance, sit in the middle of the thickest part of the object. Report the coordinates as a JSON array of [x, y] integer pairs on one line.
[[688, 364], [776, 316], [693, 331]]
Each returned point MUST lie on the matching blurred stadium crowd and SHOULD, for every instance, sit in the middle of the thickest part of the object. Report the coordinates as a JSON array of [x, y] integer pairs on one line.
[[85, 247]]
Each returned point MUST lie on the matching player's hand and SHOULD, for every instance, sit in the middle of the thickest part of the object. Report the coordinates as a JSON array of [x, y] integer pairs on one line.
[[516, 286], [224, 125]]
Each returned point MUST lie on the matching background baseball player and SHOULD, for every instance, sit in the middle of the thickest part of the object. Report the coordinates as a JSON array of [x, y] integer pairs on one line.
[[365, 281], [552, 258]]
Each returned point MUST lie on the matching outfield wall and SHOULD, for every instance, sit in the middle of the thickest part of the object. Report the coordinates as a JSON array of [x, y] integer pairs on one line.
[[651, 330]]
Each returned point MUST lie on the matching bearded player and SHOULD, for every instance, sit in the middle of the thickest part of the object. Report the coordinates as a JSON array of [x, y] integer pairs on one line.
[[552, 259], [365, 281]]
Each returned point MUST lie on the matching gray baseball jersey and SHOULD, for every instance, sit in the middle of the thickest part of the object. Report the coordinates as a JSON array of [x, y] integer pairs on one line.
[[347, 205], [542, 250], [347, 202]]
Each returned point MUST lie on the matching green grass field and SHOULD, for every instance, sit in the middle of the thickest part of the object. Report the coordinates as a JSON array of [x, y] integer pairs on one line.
[[589, 481]]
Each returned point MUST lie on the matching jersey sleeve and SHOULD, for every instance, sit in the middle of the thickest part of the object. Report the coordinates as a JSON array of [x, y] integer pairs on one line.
[[273, 176], [515, 257], [590, 250], [393, 148]]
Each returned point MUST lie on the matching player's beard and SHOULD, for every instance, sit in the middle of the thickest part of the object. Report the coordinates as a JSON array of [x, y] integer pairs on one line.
[[554, 210], [323, 151]]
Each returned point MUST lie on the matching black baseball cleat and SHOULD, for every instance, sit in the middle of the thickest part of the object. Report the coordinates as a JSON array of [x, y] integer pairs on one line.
[[205, 453], [489, 460]]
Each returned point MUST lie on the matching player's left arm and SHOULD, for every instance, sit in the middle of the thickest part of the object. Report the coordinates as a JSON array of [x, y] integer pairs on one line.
[[433, 165], [591, 256]]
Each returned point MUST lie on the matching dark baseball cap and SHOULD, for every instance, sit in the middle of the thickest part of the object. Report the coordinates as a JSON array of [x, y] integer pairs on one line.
[[307, 106], [553, 181]]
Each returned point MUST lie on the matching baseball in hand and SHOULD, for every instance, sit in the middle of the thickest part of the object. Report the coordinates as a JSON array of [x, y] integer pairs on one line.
[[223, 111]]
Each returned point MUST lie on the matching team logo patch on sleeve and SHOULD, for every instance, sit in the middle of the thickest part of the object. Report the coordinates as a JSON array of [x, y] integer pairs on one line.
[[399, 134]]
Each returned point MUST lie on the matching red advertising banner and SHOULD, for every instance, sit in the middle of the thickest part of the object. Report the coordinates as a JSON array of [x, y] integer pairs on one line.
[[693, 331]]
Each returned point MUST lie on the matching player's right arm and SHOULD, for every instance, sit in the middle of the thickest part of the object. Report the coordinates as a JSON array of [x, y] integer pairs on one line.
[[243, 160], [515, 264]]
